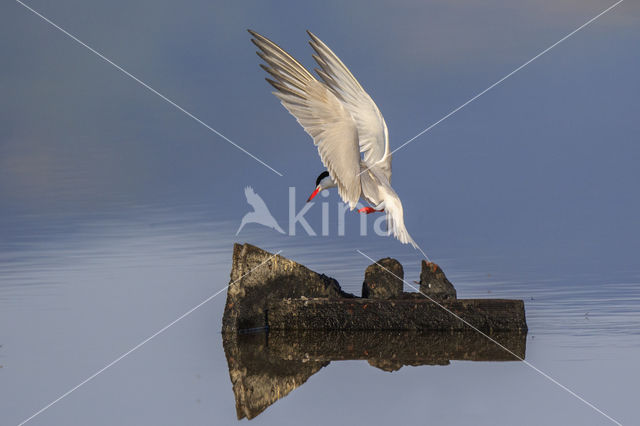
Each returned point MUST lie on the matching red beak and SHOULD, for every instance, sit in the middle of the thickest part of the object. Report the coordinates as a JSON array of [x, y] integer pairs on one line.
[[313, 194]]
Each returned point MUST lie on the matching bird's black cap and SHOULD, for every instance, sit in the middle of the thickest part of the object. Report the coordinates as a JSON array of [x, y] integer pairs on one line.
[[322, 176]]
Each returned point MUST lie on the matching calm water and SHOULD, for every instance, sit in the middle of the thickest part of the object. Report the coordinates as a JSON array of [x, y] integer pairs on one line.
[[82, 291]]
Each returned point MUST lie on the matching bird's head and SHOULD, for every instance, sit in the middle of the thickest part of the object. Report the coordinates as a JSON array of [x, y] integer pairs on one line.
[[323, 181]]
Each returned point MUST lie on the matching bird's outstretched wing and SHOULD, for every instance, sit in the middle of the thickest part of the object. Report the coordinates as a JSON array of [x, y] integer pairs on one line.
[[373, 136], [321, 114]]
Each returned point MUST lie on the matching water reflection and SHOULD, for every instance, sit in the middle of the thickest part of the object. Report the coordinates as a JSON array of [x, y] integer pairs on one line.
[[267, 366]]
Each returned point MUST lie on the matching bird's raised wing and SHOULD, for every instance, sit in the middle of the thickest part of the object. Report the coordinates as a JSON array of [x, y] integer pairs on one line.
[[321, 114], [373, 136]]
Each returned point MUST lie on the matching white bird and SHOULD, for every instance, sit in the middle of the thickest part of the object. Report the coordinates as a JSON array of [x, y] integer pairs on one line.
[[344, 123], [260, 213]]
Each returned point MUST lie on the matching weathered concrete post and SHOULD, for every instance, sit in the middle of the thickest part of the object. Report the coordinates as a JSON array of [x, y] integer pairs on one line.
[[278, 293], [252, 285], [434, 283], [383, 280]]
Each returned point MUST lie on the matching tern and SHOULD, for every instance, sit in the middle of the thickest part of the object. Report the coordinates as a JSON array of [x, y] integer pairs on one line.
[[345, 124]]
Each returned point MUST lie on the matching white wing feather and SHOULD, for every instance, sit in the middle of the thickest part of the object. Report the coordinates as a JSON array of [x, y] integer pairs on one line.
[[373, 136], [320, 113]]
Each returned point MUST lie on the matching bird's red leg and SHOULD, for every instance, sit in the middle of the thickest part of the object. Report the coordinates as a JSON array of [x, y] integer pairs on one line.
[[369, 210]]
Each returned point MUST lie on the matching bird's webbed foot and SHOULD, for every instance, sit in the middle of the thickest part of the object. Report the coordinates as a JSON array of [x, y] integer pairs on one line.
[[369, 210]]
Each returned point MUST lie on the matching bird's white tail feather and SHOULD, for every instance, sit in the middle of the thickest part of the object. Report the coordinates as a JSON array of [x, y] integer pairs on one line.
[[395, 220], [395, 223]]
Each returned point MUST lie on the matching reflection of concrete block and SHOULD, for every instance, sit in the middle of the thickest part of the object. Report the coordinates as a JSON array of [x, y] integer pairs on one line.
[[267, 366]]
